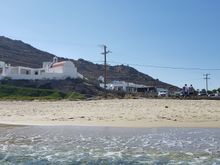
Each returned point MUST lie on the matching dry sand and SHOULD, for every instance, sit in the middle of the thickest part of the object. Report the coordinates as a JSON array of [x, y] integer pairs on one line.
[[119, 113]]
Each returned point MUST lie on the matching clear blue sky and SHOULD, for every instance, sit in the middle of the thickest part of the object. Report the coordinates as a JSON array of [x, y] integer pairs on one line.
[[175, 33]]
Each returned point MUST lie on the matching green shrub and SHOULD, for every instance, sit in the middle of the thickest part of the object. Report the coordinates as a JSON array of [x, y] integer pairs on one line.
[[19, 93]]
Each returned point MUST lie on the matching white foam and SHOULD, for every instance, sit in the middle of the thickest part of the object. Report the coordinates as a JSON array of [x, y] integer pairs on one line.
[[189, 153]]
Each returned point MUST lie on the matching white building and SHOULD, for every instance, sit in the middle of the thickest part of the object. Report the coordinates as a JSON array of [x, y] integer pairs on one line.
[[128, 87], [50, 70]]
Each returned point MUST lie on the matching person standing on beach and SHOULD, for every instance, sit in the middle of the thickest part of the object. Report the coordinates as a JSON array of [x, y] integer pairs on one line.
[[191, 90], [185, 90]]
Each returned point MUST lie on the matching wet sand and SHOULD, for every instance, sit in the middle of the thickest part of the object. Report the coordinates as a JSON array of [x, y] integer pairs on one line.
[[115, 113]]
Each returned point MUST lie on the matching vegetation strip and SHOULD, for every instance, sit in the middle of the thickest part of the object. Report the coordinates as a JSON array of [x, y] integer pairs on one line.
[[20, 93]]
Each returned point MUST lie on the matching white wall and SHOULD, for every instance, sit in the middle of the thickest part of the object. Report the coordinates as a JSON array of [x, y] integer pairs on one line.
[[38, 77], [69, 68]]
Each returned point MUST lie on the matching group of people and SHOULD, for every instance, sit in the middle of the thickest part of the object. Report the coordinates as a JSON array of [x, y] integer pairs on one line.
[[188, 91]]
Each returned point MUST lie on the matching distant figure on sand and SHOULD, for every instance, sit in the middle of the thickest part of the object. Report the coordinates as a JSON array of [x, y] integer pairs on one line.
[[191, 90], [185, 90]]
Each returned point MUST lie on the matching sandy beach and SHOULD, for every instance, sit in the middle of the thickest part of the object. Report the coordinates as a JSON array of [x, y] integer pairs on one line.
[[116, 113]]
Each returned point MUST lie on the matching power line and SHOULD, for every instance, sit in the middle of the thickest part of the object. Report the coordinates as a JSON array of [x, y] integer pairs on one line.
[[165, 67]]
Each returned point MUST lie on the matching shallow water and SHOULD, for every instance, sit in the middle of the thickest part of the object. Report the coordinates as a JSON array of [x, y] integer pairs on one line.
[[105, 145]]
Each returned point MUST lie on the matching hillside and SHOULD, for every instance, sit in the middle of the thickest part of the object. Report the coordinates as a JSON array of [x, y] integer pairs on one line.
[[17, 53]]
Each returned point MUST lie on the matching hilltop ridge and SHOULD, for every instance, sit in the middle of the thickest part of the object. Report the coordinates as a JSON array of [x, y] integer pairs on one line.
[[18, 53]]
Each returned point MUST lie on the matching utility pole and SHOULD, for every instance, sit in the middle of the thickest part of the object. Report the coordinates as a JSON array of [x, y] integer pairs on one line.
[[105, 67], [206, 77]]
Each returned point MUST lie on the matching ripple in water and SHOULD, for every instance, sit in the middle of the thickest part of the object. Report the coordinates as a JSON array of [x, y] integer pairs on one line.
[[104, 145]]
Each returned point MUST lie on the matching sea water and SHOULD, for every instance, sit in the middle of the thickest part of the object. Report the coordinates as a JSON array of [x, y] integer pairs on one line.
[[69, 145]]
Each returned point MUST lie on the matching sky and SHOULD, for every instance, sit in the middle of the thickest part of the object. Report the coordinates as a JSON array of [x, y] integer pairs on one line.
[[175, 41]]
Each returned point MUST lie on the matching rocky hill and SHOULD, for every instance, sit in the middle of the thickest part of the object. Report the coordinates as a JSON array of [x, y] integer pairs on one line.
[[17, 53]]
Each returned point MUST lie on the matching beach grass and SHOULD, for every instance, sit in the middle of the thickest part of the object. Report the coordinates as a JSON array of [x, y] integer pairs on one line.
[[8, 92]]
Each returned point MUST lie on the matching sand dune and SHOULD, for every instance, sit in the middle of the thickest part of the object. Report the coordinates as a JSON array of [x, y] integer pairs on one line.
[[120, 113]]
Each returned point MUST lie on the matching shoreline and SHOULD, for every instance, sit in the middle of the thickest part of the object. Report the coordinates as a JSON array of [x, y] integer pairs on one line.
[[134, 113], [127, 125]]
